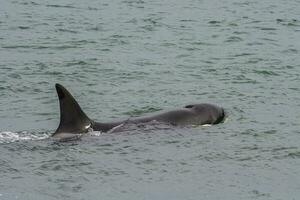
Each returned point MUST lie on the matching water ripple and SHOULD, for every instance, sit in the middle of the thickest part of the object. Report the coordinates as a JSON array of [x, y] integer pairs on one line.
[[129, 57]]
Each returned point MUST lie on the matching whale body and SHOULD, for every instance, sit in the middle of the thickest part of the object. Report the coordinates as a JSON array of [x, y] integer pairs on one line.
[[73, 121]]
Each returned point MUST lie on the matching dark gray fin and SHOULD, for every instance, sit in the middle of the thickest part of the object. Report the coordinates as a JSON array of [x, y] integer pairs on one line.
[[72, 119]]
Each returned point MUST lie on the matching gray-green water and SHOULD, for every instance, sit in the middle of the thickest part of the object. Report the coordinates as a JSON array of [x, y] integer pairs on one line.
[[122, 58]]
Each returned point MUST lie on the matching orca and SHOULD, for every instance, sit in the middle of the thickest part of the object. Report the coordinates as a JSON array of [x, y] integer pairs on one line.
[[74, 122]]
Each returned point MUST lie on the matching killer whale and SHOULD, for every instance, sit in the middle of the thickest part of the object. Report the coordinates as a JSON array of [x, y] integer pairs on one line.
[[73, 121]]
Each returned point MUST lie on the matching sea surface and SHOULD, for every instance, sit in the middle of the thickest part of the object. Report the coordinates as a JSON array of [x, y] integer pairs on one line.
[[124, 58]]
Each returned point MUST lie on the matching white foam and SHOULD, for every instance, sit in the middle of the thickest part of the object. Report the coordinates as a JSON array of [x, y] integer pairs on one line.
[[206, 125], [8, 137], [95, 133]]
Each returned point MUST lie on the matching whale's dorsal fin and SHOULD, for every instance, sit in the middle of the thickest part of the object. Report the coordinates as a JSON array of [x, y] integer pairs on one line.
[[72, 118]]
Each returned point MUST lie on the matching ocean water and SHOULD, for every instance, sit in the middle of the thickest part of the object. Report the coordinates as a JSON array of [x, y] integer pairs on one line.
[[130, 57]]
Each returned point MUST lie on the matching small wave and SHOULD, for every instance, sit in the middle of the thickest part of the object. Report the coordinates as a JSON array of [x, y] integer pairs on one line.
[[60, 6], [266, 72], [234, 39], [214, 22], [288, 22], [8, 137]]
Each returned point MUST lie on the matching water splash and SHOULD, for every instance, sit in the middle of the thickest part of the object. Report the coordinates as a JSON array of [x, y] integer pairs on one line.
[[8, 137]]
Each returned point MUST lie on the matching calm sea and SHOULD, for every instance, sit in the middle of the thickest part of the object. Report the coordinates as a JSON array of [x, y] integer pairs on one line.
[[129, 57]]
